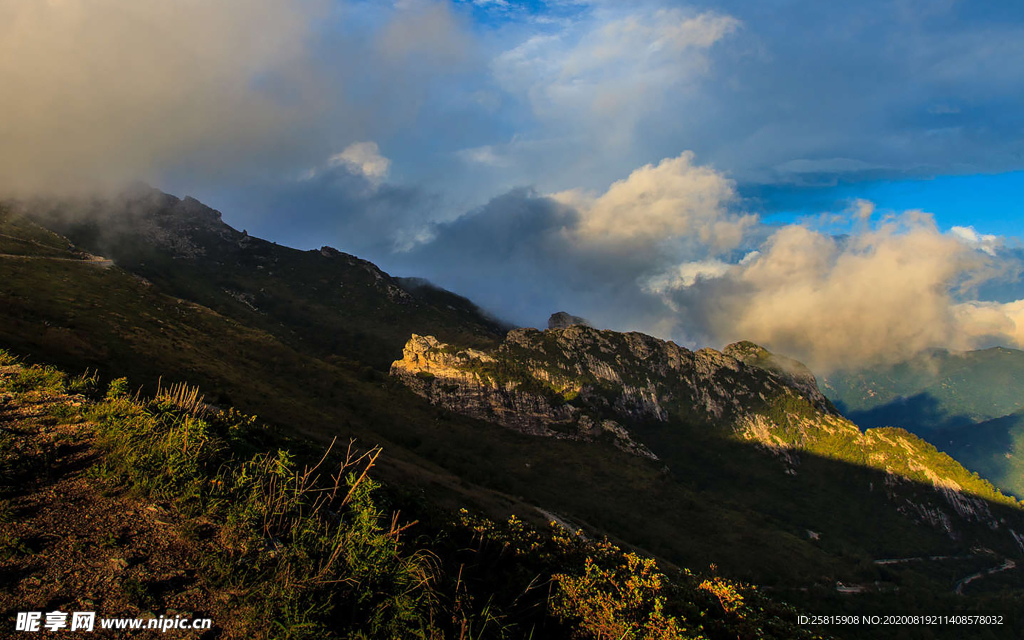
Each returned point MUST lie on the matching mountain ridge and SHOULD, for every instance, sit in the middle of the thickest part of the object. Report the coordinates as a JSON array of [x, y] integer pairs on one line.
[[558, 393], [324, 298]]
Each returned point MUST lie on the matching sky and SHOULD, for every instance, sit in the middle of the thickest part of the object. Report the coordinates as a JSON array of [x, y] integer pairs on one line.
[[841, 182]]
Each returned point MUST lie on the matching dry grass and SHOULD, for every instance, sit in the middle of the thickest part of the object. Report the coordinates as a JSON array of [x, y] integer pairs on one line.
[[183, 397]]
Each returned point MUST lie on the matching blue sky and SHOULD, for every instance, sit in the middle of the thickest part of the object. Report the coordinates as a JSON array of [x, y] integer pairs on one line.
[[991, 202], [704, 171]]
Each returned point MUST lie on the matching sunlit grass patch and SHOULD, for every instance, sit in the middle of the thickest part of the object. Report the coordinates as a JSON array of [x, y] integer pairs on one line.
[[44, 379], [298, 538]]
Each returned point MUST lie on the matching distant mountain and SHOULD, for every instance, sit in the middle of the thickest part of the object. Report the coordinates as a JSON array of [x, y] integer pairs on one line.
[[321, 300], [994, 448], [968, 404], [936, 390]]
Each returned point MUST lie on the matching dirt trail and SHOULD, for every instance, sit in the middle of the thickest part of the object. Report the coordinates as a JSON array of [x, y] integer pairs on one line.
[[93, 260], [1006, 566], [923, 558], [68, 545]]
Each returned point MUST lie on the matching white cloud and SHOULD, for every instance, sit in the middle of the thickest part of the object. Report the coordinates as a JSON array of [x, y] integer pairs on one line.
[[881, 294], [985, 242], [486, 155], [664, 250], [988, 320], [862, 209], [615, 70], [363, 158], [685, 275], [672, 199]]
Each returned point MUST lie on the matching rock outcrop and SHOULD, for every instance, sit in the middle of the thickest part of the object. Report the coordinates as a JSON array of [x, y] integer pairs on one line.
[[457, 380], [483, 386], [793, 372], [563, 320], [582, 383]]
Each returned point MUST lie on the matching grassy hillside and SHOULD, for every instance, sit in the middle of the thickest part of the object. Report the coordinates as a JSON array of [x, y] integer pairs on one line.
[[685, 406], [723, 501], [321, 301]]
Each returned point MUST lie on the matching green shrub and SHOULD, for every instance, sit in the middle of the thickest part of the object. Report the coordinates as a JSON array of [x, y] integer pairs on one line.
[[624, 601], [64, 412], [38, 378], [312, 549], [84, 384], [596, 590], [118, 389]]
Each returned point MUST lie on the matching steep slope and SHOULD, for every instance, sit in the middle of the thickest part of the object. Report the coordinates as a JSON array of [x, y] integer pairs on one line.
[[324, 301], [68, 542], [167, 509]]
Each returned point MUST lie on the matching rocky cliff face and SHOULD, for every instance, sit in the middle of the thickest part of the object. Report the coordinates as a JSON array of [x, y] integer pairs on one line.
[[474, 383], [583, 383], [586, 384], [792, 372], [563, 320]]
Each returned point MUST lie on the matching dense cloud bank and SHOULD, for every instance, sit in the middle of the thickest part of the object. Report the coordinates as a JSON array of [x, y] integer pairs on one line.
[[98, 93]]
